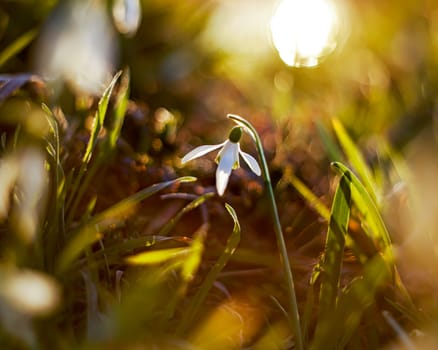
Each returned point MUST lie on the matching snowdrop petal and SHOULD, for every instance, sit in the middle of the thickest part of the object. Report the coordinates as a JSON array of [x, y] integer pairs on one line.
[[200, 151], [226, 163], [252, 162]]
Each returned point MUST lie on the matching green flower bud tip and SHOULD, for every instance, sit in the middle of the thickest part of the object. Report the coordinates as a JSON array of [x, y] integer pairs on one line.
[[235, 134]]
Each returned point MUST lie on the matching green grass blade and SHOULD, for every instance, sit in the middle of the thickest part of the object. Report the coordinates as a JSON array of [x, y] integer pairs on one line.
[[116, 252], [371, 219], [111, 140], [77, 190], [356, 159], [120, 108], [223, 259], [18, 45], [352, 303], [158, 256], [331, 264], [186, 260], [307, 194], [310, 304], [359, 296], [99, 118], [92, 231], [55, 222], [374, 226], [192, 205], [333, 151], [193, 260]]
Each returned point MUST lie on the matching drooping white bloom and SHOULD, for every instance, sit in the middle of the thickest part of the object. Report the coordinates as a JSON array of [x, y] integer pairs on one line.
[[77, 45], [227, 158], [127, 16]]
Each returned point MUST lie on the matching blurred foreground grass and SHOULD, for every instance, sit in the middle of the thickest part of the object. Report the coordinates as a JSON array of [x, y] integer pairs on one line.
[[106, 242]]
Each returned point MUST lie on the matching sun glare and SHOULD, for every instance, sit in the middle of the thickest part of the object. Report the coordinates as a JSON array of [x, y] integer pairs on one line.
[[303, 31]]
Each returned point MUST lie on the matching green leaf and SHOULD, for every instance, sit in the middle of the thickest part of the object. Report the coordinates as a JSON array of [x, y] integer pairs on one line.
[[307, 194], [372, 221], [333, 151], [93, 230], [211, 277], [359, 296], [352, 303], [18, 45], [192, 205], [54, 232], [158, 256], [121, 106], [355, 158], [99, 118], [331, 264], [78, 188], [191, 263]]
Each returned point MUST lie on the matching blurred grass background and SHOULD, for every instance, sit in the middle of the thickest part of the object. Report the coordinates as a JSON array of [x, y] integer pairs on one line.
[[187, 65]]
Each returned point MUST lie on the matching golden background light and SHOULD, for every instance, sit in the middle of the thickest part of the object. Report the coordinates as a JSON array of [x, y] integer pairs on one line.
[[304, 30]]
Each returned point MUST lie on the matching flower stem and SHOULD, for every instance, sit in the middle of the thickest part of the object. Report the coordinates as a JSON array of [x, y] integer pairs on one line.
[[293, 306]]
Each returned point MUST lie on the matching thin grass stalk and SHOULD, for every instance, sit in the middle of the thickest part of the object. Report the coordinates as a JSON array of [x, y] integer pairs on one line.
[[15, 47], [198, 299], [293, 305]]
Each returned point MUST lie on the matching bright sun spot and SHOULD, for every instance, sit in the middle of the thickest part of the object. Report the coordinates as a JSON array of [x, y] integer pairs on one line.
[[304, 30]]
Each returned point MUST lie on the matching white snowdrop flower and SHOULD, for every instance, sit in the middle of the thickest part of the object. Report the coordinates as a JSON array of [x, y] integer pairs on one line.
[[227, 158], [77, 45], [127, 16]]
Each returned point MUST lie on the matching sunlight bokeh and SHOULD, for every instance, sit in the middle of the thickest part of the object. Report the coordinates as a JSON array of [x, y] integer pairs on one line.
[[303, 31]]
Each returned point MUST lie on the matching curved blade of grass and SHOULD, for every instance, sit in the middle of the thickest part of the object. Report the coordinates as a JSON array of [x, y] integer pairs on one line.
[[355, 158], [157, 256], [333, 151], [91, 231], [18, 45], [120, 108], [308, 310], [307, 194], [202, 292], [192, 205], [191, 264], [191, 255], [113, 132], [98, 121], [186, 260], [116, 252], [99, 118], [54, 233], [359, 296], [331, 264], [352, 303], [374, 225]]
